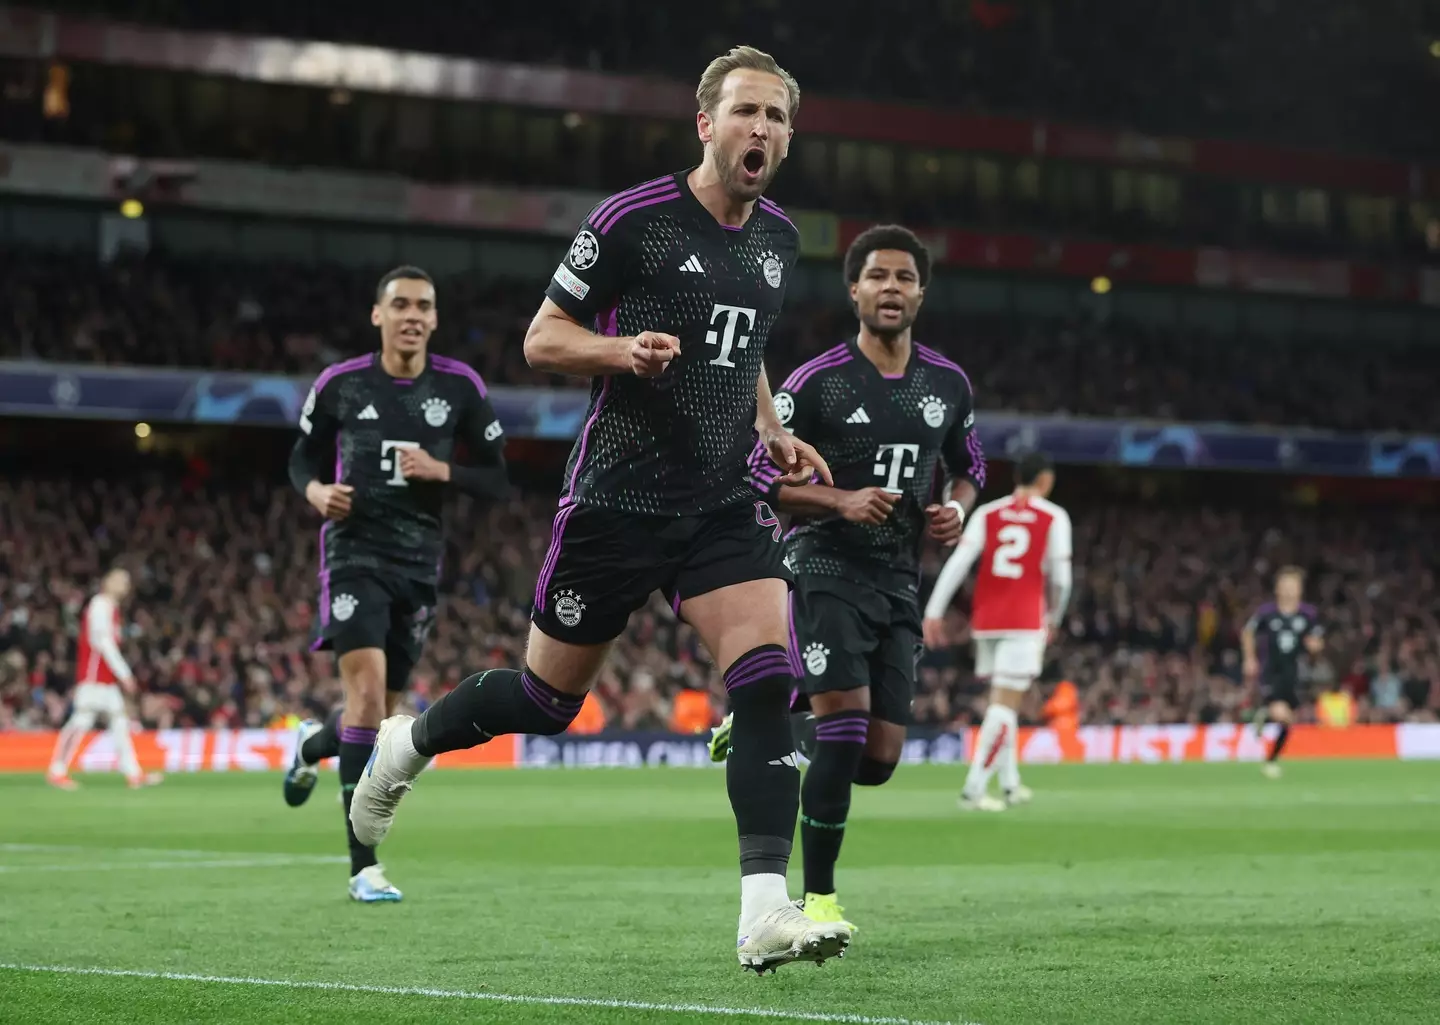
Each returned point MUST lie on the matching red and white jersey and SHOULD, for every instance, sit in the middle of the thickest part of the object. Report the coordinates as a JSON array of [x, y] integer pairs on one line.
[[98, 659], [1020, 543]]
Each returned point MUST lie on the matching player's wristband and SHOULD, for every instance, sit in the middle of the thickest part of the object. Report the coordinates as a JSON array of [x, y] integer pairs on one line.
[[958, 508]]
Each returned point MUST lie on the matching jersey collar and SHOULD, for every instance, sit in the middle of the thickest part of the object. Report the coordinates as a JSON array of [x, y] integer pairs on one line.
[[682, 178], [854, 344]]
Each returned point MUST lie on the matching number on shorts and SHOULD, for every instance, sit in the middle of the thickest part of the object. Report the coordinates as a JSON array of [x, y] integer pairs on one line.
[[1014, 543]]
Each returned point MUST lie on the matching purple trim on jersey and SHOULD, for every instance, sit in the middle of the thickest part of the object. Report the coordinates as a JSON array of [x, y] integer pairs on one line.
[[601, 221], [775, 211], [335, 370], [1266, 609], [733, 227], [619, 214], [609, 204], [552, 555], [446, 365], [762, 467], [585, 439], [931, 356], [675, 604], [977, 469], [829, 358], [608, 322], [894, 377], [1309, 610], [403, 382]]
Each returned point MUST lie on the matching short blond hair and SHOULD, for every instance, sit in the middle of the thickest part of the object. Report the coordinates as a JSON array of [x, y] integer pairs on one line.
[[741, 58]]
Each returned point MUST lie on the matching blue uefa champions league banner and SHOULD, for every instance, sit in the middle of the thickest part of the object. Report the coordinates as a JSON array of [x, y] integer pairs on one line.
[[190, 396], [625, 750]]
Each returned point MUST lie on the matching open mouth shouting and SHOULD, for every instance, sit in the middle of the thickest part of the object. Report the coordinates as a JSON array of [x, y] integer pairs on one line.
[[890, 311], [752, 165]]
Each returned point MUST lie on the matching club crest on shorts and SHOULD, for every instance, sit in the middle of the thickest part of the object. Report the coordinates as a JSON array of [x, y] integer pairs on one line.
[[773, 269], [817, 658], [933, 410], [568, 607], [436, 411], [342, 607], [584, 251]]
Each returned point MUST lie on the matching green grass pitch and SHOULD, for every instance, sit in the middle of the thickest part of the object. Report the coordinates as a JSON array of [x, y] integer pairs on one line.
[[1124, 894]]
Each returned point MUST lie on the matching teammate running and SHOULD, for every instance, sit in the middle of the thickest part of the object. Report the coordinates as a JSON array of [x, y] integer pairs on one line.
[[1272, 641], [1023, 544], [102, 681], [683, 279], [375, 457], [882, 411]]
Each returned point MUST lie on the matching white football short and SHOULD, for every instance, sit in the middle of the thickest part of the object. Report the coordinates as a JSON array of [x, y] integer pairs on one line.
[[1012, 661], [100, 699]]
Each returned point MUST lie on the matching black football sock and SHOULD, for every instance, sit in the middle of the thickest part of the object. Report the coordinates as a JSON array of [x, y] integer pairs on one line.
[[1279, 744], [491, 704], [802, 728], [760, 774], [825, 794], [325, 743], [356, 743]]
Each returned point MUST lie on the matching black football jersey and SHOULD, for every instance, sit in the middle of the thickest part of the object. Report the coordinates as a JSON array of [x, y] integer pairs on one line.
[[360, 417], [875, 431], [653, 259], [1280, 637]]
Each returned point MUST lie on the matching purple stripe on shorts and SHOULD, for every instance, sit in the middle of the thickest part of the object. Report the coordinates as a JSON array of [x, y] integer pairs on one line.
[[638, 204], [585, 439], [324, 588], [331, 372], [446, 365], [552, 555], [610, 204], [675, 603], [794, 650], [357, 735], [833, 358]]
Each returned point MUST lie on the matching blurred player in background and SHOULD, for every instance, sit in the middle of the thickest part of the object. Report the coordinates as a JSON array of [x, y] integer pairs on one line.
[[376, 457], [1272, 642], [1021, 590], [102, 681], [666, 301], [883, 413]]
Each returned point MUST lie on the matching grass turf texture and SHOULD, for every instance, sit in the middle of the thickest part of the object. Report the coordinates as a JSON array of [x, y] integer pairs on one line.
[[1176, 893]]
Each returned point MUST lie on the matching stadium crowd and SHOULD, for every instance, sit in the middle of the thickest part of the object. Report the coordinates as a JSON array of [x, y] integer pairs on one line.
[[277, 318], [1166, 67], [220, 625]]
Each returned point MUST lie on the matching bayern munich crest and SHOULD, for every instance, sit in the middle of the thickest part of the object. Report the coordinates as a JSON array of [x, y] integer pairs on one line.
[[817, 658], [342, 607], [773, 269], [568, 607], [436, 410], [933, 410], [584, 251]]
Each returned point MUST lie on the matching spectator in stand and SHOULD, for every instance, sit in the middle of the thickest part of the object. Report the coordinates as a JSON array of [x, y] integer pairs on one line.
[[220, 632]]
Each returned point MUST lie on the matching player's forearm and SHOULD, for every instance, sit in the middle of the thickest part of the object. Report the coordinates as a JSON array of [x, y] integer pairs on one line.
[[558, 345], [766, 421], [1059, 587], [1247, 644], [809, 499], [304, 468], [952, 575], [962, 490]]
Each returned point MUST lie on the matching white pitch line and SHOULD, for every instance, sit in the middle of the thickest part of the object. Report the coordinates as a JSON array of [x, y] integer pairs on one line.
[[157, 866], [169, 852], [457, 994]]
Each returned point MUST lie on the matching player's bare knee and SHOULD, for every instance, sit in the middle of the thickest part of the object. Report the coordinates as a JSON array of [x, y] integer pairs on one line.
[[569, 668], [884, 744], [362, 672], [737, 619], [831, 701], [1008, 693]]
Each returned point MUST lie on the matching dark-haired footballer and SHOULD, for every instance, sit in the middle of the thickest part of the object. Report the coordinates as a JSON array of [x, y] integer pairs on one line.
[[884, 412], [376, 457]]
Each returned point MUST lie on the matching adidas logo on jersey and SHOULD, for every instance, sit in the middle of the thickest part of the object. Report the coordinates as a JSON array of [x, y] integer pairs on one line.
[[692, 266], [858, 417], [368, 413]]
